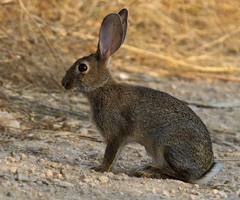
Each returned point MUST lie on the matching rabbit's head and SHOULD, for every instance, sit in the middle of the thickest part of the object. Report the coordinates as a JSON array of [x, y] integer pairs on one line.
[[91, 72]]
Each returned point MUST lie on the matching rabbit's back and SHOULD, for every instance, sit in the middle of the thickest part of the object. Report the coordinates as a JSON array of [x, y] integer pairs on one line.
[[133, 109]]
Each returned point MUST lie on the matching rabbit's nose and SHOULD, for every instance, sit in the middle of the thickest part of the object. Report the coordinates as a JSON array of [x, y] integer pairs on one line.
[[63, 82], [67, 84]]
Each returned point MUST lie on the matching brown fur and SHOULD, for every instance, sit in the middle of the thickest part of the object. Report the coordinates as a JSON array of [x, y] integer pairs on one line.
[[170, 131]]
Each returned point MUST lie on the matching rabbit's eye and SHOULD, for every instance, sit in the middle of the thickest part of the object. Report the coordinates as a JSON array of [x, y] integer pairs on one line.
[[82, 67]]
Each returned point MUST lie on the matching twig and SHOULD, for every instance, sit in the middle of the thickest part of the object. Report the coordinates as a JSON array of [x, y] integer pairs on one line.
[[213, 105], [212, 76], [180, 62], [219, 40], [227, 160]]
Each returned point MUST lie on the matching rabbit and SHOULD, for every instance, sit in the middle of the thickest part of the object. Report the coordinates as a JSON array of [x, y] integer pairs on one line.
[[170, 131]]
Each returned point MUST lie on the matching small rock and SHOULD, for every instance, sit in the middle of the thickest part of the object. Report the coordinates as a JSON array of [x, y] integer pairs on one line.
[[17, 158], [97, 193], [110, 175], [123, 76], [10, 194], [165, 193], [39, 194], [196, 186], [172, 191], [13, 170], [42, 175], [42, 160], [39, 182], [93, 154], [194, 192], [63, 172], [11, 160], [222, 194], [103, 179], [65, 184], [13, 153], [23, 156], [192, 196], [154, 191], [87, 180], [57, 175], [22, 177], [91, 185], [214, 191], [82, 177], [49, 173], [56, 180], [30, 171]]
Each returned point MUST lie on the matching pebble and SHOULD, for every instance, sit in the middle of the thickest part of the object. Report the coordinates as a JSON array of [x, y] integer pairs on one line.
[[13, 153], [49, 173], [214, 191], [93, 154], [11, 160], [97, 193], [172, 191], [165, 193], [23, 156], [42, 175], [22, 177], [196, 186], [63, 172], [65, 184], [10, 194], [123, 76], [87, 180], [192, 196], [39, 194], [222, 194], [82, 177], [57, 175], [103, 179], [194, 192], [17, 158], [30, 171], [13, 170], [39, 182]]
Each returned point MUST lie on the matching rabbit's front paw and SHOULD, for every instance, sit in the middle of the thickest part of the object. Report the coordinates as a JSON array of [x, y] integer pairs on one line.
[[97, 168]]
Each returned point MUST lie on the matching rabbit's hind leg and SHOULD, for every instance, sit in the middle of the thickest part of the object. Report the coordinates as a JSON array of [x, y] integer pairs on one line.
[[154, 171]]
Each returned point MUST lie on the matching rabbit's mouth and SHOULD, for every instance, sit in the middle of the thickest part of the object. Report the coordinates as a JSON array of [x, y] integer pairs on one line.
[[68, 85]]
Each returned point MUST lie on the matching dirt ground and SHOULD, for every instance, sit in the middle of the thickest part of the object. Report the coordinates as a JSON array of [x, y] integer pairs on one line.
[[47, 141], [55, 163]]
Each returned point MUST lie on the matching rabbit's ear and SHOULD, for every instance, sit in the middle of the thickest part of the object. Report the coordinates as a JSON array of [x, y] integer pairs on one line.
[[111, 34], [124, 15]]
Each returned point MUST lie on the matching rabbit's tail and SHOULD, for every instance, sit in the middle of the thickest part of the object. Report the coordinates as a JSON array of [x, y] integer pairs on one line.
[[215, 168]]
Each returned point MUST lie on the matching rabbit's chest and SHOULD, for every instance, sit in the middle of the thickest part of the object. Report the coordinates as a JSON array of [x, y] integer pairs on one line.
[[112, 121]]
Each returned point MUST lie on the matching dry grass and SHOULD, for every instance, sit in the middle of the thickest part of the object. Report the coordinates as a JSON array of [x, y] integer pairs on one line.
[[39, 40]]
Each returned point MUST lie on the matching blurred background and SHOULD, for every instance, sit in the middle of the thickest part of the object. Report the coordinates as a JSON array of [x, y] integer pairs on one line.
[[39, 40]]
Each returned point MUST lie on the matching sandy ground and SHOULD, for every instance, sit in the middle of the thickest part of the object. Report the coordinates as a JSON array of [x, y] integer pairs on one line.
[[51, 156]]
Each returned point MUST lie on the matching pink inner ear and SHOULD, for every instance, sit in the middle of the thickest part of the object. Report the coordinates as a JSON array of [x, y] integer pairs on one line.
[[111, 34], [105, 48]]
